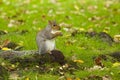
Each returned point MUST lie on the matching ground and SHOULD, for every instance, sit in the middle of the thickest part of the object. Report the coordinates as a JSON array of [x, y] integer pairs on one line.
[[82, 22]]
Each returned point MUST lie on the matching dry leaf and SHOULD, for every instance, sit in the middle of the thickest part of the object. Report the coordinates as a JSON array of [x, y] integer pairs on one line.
[[77, 79], [5, 49], [116, 64], [76, 7], [117, 38], [92, 8], [98, 61], [27, 78], [14, 76], [106, 77], [21, 43], [96, 67], [79, 61], [68, 78], [81, 29], [65, 25], [6, 42]]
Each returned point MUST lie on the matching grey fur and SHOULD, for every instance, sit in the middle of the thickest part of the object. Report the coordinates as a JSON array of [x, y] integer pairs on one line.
[[45, 38], [41, 38]]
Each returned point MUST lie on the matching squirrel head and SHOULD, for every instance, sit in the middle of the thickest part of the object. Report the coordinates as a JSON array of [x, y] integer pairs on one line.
[[54, 25]]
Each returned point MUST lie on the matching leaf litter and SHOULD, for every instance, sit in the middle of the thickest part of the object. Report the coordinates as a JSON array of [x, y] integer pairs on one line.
[[104, 36]]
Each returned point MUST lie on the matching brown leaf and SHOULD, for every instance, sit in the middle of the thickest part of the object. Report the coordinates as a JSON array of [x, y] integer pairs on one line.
[[5, 43], [14, 76], [117, 38], [98, 61], [68, 78]]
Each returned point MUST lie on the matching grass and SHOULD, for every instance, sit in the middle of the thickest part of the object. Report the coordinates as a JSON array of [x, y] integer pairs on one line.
[[77, 13]]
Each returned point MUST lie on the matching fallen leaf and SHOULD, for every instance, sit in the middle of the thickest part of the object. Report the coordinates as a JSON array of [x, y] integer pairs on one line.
[[65, 25], [76, 7], [94, 18], [5, 49], [90, 30], [108, 3], [3, 64], [11, 23], [70, 42], [61, 78], [14, 76], [79, 61], [98, 61], [21, 43], [92, 8], [106, 30], [116, 64], [13, 66], [8, 45], [77, 79], [106, 77], [96, 67], [5, 42], [117, 38], [68, 78], [81, 29], [27, 78]]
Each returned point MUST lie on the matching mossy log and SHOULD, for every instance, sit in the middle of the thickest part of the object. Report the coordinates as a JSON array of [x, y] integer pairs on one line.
[[33, 56]]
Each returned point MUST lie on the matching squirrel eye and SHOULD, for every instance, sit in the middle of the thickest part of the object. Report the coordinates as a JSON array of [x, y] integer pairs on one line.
[[54, 25]]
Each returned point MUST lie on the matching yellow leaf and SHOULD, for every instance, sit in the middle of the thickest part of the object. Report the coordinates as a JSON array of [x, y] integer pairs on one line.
[[27, 78], [117, 38], [39, 29], [79, 61], [13, 66], [77, 79], [68, 78], [81, 29], [90, 30], [5, 48], [116, 64], [76, 7], [21, 43], [3, 64], [105, 31]]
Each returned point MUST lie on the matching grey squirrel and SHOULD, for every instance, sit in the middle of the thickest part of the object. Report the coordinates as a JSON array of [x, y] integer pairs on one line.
[[46, 38]]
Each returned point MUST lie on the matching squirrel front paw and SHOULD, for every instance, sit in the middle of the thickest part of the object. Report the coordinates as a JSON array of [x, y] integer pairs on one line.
[[59, 33]]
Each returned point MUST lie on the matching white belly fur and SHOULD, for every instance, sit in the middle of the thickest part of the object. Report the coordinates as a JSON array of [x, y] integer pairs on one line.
[[50, 44]]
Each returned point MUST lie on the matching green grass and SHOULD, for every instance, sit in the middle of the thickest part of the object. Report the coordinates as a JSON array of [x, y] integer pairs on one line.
[[35, 15]]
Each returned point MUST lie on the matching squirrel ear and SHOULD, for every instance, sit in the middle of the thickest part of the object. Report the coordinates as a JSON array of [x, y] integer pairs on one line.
[[54, 21], [49, 22]]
